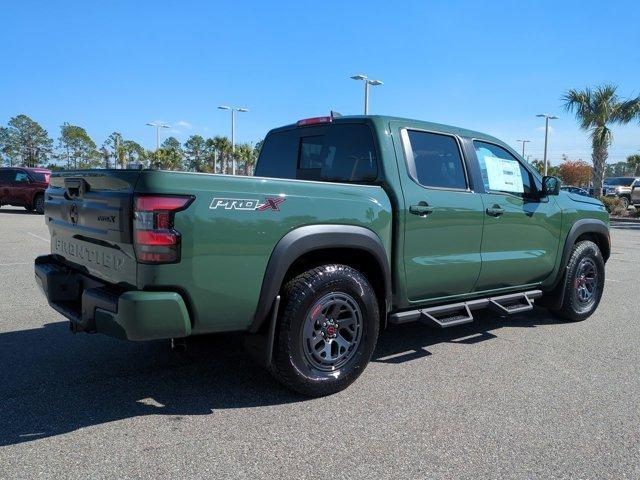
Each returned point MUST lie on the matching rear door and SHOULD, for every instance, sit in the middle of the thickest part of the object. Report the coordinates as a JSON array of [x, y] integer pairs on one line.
[[442, 215], [89, 215], [521, 230]]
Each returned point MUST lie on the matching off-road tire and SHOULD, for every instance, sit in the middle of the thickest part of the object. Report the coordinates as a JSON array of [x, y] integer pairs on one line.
[[292, 364], [572, 308]]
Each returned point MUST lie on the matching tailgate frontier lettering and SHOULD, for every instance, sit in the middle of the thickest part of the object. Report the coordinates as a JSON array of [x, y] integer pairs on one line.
[[88, 254]]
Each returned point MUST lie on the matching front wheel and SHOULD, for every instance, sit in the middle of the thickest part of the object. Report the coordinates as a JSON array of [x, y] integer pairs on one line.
[[583, 284], [327, 331]]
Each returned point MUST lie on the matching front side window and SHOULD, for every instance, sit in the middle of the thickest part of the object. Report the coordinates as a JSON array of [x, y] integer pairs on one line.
[[501, 171], [436, 160]]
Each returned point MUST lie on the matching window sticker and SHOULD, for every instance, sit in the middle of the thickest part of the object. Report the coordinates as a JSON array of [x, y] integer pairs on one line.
[[504, 175]]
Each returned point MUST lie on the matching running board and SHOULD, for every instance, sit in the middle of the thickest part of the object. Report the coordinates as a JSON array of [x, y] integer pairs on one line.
[[460, 313]]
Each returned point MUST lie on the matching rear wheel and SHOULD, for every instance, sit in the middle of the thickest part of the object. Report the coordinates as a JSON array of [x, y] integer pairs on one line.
[[38, 204], [327, 331], [583, 284]]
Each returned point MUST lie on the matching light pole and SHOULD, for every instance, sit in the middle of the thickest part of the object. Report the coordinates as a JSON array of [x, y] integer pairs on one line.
[[367, 82], [233, 133], [523, 142], [546, 117], [158, 126]]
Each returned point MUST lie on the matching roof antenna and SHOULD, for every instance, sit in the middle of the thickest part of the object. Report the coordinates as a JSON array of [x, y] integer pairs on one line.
[[335, 114]]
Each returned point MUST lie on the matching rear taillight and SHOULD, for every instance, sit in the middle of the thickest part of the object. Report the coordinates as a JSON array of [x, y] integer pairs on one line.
[[154, 238]]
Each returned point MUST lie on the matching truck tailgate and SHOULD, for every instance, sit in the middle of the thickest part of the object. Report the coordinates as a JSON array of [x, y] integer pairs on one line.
[[89, 215]]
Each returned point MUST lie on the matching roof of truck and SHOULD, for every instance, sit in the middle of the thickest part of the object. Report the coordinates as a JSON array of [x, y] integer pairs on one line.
[[385, 119]]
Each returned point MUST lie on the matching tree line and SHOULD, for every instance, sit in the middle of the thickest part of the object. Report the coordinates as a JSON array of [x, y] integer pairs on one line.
[[23, 141], [580, 174]]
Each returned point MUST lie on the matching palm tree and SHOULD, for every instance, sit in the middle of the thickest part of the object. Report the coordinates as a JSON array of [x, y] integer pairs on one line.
[[596, 110], [223, 147]]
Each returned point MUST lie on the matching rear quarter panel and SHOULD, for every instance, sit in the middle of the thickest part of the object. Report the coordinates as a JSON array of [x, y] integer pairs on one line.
[[225, 251]]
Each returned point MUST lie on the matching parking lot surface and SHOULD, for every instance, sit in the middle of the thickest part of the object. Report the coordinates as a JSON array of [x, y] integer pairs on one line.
[[517, 397]]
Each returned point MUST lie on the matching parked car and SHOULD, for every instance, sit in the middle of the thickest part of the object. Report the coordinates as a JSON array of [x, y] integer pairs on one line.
[[351, 223], [635, 194], [24, 187], [619, 187], [576, 190]]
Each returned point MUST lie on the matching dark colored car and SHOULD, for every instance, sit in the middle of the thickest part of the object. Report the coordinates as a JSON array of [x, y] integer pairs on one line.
[[576, 190], [24, 187]]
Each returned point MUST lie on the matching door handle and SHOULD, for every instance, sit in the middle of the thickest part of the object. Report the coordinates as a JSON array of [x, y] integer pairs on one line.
[[495, 211], [423, 209]]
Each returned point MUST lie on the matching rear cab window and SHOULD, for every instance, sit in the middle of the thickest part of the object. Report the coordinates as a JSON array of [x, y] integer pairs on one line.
[[339, 152]]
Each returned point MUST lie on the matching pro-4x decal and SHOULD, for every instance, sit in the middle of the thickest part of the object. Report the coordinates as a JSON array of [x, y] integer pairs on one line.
[[270, 203]]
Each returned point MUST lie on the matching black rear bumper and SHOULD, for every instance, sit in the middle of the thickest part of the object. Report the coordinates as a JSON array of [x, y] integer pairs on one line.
[[95, 306]]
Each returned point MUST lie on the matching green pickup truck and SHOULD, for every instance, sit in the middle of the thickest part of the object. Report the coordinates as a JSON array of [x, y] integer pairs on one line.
[[350, 224]]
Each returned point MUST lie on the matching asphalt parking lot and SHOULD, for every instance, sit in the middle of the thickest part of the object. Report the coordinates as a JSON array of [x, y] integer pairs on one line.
[[520, 397]]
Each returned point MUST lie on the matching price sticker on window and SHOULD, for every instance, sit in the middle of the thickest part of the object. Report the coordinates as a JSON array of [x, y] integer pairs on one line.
[[504, 175]]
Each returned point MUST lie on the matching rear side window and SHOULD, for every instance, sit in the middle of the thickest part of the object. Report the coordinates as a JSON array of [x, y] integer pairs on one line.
[[21, 177], [40, 176], [335, 153], [436, 160]]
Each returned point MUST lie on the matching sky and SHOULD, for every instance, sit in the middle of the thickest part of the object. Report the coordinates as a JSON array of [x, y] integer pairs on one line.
[[488, 66]]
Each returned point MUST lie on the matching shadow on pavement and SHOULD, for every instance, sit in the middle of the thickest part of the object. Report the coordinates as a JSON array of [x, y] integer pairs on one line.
[[16, 210], [53, 382]]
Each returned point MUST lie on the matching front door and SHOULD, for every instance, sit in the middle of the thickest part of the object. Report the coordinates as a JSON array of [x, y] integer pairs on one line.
[[521, 230], [442, 217]]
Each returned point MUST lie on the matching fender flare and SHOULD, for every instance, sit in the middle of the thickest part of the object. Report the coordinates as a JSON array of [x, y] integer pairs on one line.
[[306, 239], [586, 225], [554, 296]]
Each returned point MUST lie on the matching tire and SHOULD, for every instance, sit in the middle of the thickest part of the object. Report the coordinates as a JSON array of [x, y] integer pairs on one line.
[[28, 208], [38, 204], [624, 202], [580, 300], [314, 354]]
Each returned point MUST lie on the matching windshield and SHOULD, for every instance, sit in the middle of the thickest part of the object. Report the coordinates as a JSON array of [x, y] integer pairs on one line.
[[618, 181]]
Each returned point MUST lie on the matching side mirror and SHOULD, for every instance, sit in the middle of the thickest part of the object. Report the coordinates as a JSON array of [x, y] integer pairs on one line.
[[550, 185]]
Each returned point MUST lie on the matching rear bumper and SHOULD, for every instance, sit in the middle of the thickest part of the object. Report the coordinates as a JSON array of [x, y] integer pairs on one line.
[[93, 306]]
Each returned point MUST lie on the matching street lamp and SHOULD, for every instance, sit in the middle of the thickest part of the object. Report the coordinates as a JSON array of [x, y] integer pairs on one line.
[[523, 142], [546, 117], [158, 126], [367, 82], [233, 132]]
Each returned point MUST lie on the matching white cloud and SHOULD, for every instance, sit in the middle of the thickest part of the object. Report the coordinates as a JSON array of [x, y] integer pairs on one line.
[[541, 129], [183, 124]]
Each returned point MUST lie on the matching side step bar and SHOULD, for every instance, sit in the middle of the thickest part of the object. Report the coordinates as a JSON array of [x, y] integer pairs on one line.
[[459, 313]]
